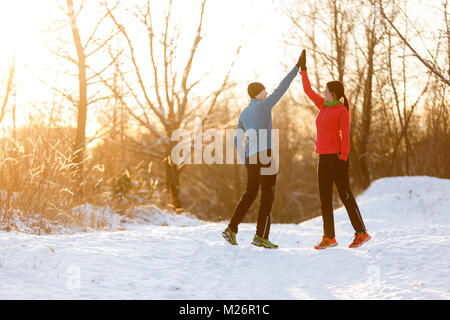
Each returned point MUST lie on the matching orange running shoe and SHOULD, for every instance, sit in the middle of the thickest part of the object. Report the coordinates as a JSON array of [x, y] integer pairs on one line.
[[325, 243], [360, 239]]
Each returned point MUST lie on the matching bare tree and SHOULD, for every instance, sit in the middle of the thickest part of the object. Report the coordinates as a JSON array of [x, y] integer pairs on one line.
[[165, 100], [432, 67], [82, 100], [447, 32], [404, 111], [82, 88], [372, 40], [337, 30], [9, 85]]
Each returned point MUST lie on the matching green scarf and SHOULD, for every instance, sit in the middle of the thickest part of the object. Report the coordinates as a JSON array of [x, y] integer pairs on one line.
[[332, 103]]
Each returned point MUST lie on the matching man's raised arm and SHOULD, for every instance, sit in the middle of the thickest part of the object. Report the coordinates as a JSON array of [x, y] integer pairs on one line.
[[273, 98]]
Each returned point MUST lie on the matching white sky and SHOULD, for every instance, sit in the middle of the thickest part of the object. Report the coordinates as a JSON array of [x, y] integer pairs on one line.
[[254, 24]]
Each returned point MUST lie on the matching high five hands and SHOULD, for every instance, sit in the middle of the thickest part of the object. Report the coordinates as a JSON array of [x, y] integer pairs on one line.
[[301, 63]]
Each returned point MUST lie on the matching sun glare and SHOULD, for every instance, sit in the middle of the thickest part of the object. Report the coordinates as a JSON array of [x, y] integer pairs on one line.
[[257, 28], [22, 33], [20, 24]]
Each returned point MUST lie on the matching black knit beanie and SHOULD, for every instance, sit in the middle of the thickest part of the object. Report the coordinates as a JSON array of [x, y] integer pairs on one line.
[[254, 89]]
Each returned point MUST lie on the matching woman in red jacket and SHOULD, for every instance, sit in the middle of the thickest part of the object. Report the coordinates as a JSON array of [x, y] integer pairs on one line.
[[333, 145]]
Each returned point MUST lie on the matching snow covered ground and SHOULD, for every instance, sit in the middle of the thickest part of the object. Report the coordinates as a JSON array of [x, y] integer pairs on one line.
[[180, 257]]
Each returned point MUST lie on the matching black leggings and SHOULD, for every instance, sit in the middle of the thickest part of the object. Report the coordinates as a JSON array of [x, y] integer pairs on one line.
[[254, 180], [332, 169]]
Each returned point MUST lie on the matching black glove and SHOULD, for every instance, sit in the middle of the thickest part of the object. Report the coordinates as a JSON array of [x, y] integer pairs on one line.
[[301, 63]]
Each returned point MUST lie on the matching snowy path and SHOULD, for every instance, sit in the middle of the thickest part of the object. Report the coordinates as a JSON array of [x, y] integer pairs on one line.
[[407, 258]]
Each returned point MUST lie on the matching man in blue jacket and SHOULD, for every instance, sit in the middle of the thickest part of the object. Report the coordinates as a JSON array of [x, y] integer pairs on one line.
[[256, 119]]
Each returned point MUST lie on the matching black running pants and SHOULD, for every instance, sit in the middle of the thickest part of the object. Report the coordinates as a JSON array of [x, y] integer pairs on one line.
[[333, 170], [255, 180]]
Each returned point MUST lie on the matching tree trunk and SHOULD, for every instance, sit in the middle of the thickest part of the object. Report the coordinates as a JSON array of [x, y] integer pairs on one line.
[[366, 119], [80, 138], [173, 182], [8, 88]]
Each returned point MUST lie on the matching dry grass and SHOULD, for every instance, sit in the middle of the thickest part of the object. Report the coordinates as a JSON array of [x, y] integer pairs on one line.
[[38, 186]]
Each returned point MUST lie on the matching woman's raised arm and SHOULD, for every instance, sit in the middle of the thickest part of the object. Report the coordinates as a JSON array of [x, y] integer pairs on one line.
[[318, 100]]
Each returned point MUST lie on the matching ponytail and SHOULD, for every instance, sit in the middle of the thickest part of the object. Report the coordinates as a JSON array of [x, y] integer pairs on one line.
[[346, 103]]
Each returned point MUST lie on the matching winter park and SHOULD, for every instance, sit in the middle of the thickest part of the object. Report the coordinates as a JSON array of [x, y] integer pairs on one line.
[[225, 150]]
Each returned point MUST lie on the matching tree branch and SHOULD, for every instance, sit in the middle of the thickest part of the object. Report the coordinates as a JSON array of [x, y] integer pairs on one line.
[[430, 67]]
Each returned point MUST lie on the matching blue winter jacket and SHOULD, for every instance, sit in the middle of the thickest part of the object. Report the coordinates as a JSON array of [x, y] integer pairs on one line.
[[258, 115]]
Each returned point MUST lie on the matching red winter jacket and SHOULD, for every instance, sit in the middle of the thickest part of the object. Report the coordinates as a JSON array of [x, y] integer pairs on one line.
[[332, 123]]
